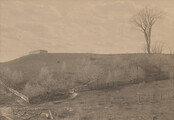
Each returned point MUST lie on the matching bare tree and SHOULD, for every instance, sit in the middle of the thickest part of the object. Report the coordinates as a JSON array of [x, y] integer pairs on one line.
[[157, 47], [144, 21]]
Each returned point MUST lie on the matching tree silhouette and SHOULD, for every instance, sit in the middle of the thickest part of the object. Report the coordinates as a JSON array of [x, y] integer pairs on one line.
[[144, 21]]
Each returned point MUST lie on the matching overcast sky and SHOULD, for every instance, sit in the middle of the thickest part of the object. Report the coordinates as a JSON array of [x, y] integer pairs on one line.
[[83, 26]]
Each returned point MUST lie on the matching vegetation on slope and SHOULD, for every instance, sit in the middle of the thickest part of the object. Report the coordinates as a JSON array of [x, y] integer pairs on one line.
[[45, 73]]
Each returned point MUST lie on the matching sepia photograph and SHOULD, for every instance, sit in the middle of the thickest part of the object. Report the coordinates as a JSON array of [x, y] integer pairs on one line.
[[86, 60]]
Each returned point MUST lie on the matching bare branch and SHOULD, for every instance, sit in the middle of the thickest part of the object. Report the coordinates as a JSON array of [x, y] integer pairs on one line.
[[144, 21], [157, 47]]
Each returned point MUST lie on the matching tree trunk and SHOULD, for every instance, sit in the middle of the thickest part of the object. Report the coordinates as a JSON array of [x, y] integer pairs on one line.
[[147, 34], [148, 49], [149, 39]]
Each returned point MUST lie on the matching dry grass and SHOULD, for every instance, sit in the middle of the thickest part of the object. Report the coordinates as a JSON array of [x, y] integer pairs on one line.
[[37, 74], [120, 104], [11, 78], [135, 102]]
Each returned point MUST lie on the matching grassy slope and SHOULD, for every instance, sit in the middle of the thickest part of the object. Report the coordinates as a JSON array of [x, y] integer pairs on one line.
[[31, 64], [102, 105], [123, 104], [74, 64], [113, 104]]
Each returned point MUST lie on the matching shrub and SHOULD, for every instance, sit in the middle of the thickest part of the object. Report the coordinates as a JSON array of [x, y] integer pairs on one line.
[[46, 82], [125, 71], [89, 71], [33, 89], [11, 78], [6, 73], [17, 77]]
